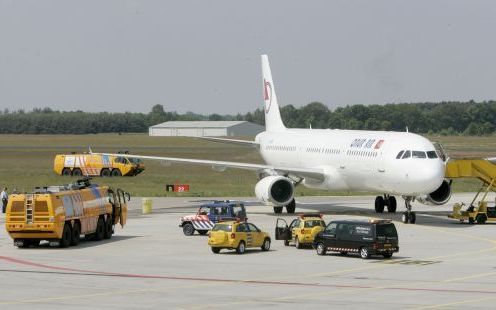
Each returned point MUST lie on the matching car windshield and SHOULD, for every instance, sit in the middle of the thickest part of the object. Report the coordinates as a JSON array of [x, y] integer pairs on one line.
[[134, 160], [313, 223], [222, 227], [387, 230]]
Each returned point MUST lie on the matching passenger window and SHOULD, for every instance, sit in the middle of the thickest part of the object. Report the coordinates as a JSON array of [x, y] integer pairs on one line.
[[331, 228], [431, 154], [252, 228], [241, 228], [406, 155], [418, 154], [399, 154]]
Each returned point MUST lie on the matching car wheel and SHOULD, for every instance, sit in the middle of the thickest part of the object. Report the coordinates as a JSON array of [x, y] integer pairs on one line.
[[266, 244], [286, 242], [203, 232], [65, 241], [471, 220], [364, 253], [216, 250], [76, 232], [387, 255], [321, 250], [241, 247], [108, 228], [297, 243], [100, 229], [277, 210], [105, 172], [77, 172], [188, 229], [343, 253], [481, 219]]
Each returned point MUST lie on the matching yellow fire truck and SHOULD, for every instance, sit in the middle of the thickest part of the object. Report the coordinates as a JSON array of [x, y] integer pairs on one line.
[[96, 165], [61, 214]]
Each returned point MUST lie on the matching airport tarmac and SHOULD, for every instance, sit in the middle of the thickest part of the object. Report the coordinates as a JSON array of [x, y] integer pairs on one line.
[[151, 264]]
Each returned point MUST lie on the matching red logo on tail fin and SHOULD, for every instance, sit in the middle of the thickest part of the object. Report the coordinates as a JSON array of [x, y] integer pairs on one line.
[[267, 95]]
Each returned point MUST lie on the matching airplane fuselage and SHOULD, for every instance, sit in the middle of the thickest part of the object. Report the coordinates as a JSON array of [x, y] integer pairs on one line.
[[356, 160]]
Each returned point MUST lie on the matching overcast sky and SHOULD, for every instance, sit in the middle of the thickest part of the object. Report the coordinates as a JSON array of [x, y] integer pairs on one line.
[[204, 56]]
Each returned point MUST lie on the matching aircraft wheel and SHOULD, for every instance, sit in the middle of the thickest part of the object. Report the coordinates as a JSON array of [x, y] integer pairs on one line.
[[277, 210], [405, 218], [391, 206], [379, 204], [290, 208]]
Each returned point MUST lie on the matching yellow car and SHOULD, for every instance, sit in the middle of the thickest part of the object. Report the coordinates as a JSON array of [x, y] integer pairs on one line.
[[237, 236], [301, 231]]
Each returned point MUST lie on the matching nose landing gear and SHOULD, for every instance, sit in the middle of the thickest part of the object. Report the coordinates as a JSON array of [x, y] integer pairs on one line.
[[409, 215]]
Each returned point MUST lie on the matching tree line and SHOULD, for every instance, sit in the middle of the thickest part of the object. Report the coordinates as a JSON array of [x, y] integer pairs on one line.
[[444, 118]]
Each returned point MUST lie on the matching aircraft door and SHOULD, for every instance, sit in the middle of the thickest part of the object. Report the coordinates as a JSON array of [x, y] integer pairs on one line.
[[282, 230]]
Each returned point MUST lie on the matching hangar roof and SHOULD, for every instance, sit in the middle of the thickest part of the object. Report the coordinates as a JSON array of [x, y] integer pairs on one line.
[[198, 124]]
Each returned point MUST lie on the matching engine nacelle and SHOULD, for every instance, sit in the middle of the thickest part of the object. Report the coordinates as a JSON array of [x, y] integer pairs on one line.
[[438, 197], [275, 190]]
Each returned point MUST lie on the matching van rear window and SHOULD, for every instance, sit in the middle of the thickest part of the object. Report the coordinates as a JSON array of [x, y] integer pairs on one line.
[[387, 230], [313, 223]]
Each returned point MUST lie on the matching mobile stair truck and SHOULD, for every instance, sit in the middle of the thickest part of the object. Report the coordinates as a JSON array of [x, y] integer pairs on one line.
[[485, 170], [62, 214]]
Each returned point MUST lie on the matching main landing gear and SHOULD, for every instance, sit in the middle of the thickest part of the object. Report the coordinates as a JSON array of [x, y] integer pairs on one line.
[[385, 201], [290, 207], [409, 215]]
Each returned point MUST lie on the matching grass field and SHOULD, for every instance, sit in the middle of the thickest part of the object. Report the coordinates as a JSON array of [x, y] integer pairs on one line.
[[26, 161]]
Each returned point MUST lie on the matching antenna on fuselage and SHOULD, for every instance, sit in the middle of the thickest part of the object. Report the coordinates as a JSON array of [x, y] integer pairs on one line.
[[406, 128], [310, 125]]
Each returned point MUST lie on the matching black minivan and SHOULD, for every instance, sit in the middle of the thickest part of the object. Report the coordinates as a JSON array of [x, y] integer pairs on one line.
[[373, 237]]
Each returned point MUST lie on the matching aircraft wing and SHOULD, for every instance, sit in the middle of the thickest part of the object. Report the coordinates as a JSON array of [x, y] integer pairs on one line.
[[232, 141], [316, 174]]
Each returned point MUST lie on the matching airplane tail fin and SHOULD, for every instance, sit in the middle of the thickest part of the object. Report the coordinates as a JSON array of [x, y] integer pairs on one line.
[[273, 121]]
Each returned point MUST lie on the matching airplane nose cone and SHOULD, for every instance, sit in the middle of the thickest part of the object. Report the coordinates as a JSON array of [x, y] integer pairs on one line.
[[429, 177]]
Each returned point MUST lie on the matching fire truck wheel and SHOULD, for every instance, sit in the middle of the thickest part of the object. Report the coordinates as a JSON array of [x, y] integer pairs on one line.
[[203, 232], [65, 241], [100, 229], [77, 172], [108, 228], [188, 229], [66, 171], [116, 173], [105, 172], [76, 232]]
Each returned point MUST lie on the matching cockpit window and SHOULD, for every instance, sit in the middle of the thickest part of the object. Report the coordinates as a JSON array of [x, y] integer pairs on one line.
[[406, 155], [399, 155], [418, 154], [431, 154]]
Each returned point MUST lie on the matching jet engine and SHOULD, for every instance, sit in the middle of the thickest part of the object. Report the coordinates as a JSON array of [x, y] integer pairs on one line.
[[275, 190], [438, 197]]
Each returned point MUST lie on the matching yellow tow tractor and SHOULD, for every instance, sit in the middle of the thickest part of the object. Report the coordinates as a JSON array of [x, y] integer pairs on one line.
[[484, 170]]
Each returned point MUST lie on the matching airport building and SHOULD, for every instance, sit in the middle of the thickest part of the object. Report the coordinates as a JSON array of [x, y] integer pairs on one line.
[[205, 128]]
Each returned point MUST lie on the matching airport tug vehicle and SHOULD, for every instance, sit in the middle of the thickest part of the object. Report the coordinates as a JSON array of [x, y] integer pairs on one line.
[[211, 213], [62, 214], [301, 231], [237, 235], [485, 170]]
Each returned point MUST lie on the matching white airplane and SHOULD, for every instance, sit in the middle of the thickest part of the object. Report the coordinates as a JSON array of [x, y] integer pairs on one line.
[[389, 163]]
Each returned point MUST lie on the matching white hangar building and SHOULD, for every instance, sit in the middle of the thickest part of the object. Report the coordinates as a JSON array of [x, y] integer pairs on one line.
[[205, 128]]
